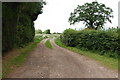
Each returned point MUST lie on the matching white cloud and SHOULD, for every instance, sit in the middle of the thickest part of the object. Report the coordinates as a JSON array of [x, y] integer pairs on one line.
[[56, 13]]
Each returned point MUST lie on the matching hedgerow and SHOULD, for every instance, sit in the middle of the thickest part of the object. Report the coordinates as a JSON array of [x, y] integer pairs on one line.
[[18, 26], [105, 42]]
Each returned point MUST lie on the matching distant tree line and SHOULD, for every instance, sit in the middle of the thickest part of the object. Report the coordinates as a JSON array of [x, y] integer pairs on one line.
[[39, 31], [47, 31], [18, 27]]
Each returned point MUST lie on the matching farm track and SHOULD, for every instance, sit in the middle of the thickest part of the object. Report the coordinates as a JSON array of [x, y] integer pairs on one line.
[[58, 62]]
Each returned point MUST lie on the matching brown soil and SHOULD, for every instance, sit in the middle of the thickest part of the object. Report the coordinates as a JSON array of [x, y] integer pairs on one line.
[[10, 54], [60, 63]]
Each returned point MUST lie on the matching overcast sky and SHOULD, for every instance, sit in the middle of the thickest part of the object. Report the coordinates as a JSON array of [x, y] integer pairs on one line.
[[56, 13]]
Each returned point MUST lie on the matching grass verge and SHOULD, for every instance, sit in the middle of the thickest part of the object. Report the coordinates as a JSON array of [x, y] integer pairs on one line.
[[10, 63], [108, 62], [48, 44]]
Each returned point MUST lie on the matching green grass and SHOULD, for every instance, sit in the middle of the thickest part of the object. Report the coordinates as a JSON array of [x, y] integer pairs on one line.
[[48, 44], [108, 62], [37, 39], [10, 64]]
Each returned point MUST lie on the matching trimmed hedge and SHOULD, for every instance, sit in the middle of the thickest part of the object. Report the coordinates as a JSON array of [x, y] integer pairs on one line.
[[18, 26], [106, 42]]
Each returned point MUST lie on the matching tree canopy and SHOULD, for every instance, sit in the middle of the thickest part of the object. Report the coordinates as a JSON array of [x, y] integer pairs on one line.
[[94, 15]]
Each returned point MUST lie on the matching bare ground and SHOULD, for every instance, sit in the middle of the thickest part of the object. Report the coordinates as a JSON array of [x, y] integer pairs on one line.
[[58, 62]]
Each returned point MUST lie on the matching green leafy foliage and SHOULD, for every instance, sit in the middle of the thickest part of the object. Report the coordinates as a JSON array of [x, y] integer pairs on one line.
[[94, 15], [105, 42], [39, 31], [69, 37], [47, 31], [18, 27]]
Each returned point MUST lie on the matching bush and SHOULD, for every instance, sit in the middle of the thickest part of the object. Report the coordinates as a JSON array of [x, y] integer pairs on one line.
[[106, 42], [69, 37]]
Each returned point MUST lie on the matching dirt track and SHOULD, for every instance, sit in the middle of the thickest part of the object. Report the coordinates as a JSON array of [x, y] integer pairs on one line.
[[60, 63]]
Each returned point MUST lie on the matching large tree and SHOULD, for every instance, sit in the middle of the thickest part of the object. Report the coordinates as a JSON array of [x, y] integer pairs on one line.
[[94, 15]]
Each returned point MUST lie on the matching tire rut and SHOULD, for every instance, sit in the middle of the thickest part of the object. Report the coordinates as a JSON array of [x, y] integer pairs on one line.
[[58, 62]]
